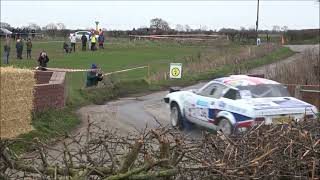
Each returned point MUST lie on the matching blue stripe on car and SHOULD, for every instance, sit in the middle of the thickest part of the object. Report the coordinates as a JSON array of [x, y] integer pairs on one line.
[[212, 114], [202, 103], [240, 117]]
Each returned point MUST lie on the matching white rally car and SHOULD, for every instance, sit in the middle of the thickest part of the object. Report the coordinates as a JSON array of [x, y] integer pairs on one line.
[[235, 103]]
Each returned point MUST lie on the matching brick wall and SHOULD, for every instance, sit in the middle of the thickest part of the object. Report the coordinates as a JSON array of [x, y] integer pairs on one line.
[[49, 93], [42, 77]]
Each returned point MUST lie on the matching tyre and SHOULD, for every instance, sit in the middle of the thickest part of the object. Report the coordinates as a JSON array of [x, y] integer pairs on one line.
[[176, 117], [225, 126]]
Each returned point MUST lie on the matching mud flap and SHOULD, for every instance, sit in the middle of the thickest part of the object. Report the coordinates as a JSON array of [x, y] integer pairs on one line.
[[186, 123], [174, 89]]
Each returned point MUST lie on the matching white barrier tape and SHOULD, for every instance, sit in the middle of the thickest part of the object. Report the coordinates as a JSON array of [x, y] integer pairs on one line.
[[67, 70], [125, 70], [83, 70]]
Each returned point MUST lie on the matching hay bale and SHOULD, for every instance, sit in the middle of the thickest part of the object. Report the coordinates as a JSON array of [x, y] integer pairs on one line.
[[16, 101]]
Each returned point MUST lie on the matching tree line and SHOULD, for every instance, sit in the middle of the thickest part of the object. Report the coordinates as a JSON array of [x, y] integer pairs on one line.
[[161, 27]]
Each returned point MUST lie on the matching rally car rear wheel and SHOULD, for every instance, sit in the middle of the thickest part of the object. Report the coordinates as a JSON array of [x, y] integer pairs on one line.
[[225, 126], [176, 117]]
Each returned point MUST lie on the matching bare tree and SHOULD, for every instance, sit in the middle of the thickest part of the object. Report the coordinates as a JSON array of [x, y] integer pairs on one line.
[[203, 28], [60, 26], [159, 24], [179, 27], [51, 29], [187, 28], [284, 28], [34, 26], [276, 28], [63, 31], [242, 28], [5, 25]]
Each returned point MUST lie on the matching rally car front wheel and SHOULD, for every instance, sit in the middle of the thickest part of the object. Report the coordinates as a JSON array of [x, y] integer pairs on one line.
[[225, 126], [176, 117]]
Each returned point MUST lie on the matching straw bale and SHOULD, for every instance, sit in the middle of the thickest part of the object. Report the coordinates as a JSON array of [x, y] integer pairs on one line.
[[16, 101]]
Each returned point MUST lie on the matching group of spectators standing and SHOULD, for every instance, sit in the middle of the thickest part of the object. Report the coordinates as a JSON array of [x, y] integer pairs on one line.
[[91, 41], [43, 58], [19, 49], [22, 33]]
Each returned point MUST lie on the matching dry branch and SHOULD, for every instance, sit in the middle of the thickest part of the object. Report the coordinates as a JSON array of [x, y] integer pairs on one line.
[[267, 152]]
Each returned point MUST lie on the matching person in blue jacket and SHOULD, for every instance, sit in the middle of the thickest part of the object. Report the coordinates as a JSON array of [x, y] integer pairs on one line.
[[93, 76], [101, 41]]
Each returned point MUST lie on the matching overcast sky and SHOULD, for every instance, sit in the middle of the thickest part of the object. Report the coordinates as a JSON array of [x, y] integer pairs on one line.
[[134, 14]]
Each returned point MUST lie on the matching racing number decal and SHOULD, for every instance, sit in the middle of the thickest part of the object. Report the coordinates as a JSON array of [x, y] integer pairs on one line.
[[175, 72], [203, 112]]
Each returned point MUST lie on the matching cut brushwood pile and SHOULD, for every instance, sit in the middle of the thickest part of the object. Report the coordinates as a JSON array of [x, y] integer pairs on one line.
[[267, 152]]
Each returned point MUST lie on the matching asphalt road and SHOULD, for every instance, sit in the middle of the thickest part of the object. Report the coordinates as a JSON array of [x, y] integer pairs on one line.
[[136, 113]]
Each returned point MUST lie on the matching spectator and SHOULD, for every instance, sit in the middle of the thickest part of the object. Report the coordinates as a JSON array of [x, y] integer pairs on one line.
[[29, 47], [73, 40], [13, 35], [19, 48], [43, 60], [33, 32], [66, 47], [18, 33], [89, 40], [93, 42], [93, 76], [23, 33], [84, 42], [101, 41], [6, 50]]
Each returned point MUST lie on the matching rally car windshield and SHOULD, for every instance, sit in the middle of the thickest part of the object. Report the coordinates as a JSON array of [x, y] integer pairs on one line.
[[265, 90]]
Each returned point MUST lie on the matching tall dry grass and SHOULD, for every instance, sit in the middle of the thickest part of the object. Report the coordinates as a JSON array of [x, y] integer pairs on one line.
[[304, 71], [216, 57]]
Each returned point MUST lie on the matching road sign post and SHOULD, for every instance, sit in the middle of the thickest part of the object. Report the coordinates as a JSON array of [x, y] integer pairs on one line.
[[175, 70]]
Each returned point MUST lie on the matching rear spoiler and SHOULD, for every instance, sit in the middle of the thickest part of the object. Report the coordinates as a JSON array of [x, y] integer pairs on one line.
[[174, 89], [256, 75]]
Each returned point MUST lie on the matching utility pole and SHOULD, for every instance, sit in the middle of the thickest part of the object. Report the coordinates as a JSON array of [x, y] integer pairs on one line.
[[257, 22], [97, 27]]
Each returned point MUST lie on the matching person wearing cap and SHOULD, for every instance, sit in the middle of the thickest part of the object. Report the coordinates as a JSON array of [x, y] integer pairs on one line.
[[93, 76], [43, 60]]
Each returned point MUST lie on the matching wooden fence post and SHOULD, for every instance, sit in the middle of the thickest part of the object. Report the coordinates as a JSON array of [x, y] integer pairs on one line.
[[148, 71], [149, 74], [297, 92]]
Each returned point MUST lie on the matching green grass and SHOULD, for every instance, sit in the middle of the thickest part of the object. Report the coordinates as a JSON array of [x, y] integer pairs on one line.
[[315, 40], [48, 125], [117, 56]]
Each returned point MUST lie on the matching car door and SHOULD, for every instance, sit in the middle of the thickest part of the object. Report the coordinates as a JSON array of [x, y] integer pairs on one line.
[[203, 100]]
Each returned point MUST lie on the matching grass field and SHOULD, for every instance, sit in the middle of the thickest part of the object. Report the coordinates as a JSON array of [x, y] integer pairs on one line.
[[116, 56], [121, 55]]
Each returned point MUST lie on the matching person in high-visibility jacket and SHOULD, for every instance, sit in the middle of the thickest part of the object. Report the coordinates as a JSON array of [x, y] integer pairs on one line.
[[93, 42]]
